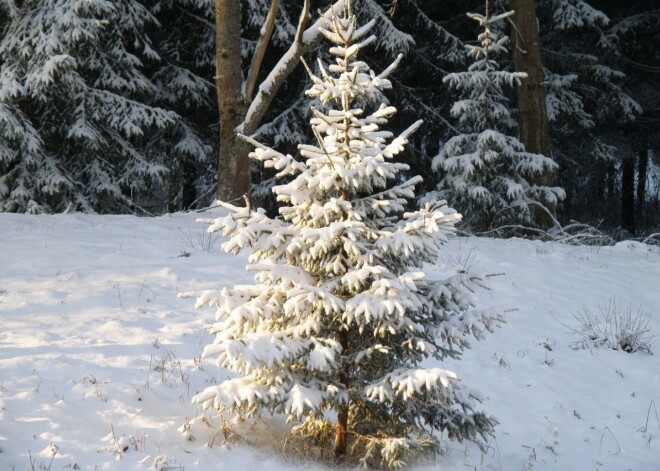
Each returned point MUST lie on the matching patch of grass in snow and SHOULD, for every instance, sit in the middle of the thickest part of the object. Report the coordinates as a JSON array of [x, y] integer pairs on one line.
[[611, 327], [462, 260], [198, 240], [169, 367]]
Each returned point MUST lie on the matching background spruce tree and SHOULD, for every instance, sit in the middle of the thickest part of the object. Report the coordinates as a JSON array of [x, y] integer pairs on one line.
[[486, 172], [72, 78], [342, 315], [184, 36]]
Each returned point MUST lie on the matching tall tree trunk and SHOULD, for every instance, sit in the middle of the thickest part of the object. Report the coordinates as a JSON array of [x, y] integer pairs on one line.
[[642, 173], [171, 193], [534, 131], [610, 207], [628, 194], [233, 163]]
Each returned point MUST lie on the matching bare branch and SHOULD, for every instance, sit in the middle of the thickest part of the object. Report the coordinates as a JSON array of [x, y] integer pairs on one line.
[[269, 87], [302, 23], [260, 51]]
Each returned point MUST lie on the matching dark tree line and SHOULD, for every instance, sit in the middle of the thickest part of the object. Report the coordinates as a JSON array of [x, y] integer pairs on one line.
[[115, 109]]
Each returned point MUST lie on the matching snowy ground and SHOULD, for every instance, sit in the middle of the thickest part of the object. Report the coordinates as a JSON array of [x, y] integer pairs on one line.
[[99, 359]]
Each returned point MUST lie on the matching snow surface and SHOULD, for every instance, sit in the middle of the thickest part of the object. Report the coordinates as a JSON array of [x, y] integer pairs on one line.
[[99, 359]]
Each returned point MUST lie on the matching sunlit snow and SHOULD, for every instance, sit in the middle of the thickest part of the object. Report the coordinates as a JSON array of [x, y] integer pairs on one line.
[[99, 358]]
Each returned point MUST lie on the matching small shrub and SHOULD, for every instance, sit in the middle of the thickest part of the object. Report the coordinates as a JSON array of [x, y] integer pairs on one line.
[[611, 327]]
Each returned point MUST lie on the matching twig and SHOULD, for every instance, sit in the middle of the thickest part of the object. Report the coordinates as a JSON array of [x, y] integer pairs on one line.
[[220, 204], [511, 226], [644, 429], [549, 213], [119, 295], [211, 190], [603, 435]]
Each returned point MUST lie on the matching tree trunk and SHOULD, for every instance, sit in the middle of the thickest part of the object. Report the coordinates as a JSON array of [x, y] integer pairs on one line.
[[642, 172], [628, 194], [233, 163], [171, 192], [188, 190], [534, 131], [593, 196], [341, 436]]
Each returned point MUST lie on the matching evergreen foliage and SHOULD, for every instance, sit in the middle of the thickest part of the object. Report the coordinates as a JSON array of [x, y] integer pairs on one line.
[[183, 77], [286, 124], [73, 80], [106, 104], [588, 106], [486, 171], [341, 315]]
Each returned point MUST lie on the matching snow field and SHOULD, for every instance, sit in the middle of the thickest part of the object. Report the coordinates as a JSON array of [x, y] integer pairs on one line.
[[99, 359]]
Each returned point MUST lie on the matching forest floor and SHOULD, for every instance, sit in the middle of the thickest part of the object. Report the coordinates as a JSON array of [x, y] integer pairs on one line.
[[99, 358]]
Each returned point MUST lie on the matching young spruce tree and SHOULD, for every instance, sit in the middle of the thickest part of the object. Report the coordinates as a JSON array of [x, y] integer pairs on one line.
[[342, 315], [486, 171]]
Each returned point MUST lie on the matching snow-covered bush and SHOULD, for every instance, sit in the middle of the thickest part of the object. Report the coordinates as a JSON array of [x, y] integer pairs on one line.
[[342, 316], [486, 171], [611, 327]]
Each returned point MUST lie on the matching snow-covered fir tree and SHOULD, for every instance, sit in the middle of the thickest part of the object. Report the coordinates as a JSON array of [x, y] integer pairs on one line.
[[486, 171], [342, 315], [75, 103]]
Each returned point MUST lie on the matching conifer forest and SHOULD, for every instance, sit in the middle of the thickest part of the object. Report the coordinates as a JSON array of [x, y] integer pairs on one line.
[[132, 106]]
